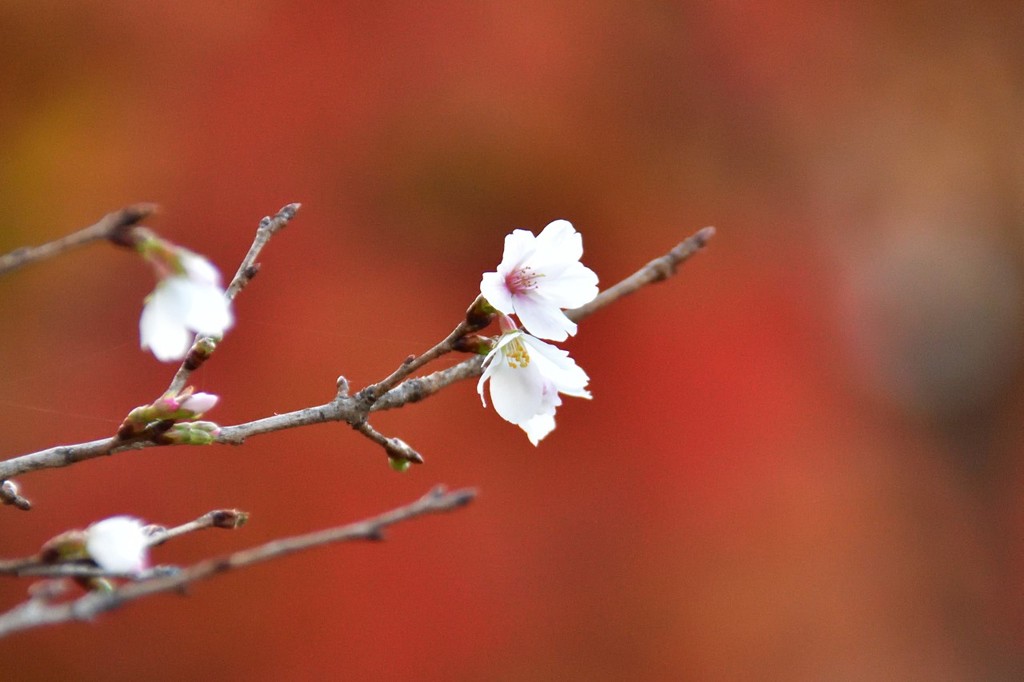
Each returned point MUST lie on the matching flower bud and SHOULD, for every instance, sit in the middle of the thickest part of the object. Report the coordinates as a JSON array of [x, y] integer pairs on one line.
[[9, 494], [192, 433], [399, 465], [479, 315], [198, 403], [185, 406]]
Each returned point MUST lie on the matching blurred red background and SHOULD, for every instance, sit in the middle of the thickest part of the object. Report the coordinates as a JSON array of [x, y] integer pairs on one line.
[[801, 457]]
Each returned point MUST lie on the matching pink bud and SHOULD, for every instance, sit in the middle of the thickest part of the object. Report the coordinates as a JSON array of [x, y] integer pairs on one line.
[[198, 403], [506, 323]]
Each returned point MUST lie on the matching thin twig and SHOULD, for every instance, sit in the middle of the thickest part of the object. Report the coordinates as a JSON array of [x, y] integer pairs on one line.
[[354, 410], [421, 388], [371, 393], [203, 346], [111, 226], [657, 270], [268, 227], [396, 448], [229, 519], [39, 611], [59, 456], [478, 316], [88, 570]]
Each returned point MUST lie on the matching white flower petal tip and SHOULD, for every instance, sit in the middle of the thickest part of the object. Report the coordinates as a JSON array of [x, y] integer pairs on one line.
[[538, 277], [118, 544], [538, 427]]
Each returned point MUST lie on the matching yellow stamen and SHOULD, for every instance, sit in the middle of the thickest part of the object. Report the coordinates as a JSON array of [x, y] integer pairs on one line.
[[516, 354]]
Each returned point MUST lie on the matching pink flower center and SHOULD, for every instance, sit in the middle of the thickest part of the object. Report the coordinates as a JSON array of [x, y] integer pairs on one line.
[[521, 280]]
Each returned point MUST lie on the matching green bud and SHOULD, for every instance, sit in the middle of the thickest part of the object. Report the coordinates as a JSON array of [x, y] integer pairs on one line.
[[399, 465], [192, 433], [205, 346]]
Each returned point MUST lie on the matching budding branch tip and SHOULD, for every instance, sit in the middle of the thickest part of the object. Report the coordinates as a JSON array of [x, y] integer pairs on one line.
[[704, 235]]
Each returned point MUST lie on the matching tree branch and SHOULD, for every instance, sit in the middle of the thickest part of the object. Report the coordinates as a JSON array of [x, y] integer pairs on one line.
[[657, 270], [39, 610], [355, 410], [112, 226], [38, 565]]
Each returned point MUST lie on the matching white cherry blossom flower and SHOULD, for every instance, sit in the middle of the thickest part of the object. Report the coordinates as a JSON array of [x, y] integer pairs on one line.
[[186, 301], [118, 544], [526, 376], [538, 277]]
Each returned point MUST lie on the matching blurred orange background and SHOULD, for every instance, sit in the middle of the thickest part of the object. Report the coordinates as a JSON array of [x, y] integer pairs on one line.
[[801, 460]]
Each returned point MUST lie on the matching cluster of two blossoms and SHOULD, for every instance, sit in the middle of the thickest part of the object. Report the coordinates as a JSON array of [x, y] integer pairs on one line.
[[539, 276]]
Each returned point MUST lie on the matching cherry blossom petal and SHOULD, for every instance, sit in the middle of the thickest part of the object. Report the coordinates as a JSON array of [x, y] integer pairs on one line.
[[538, 427], [160, 327], [118, 544], [209, 311], [544, 320]]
